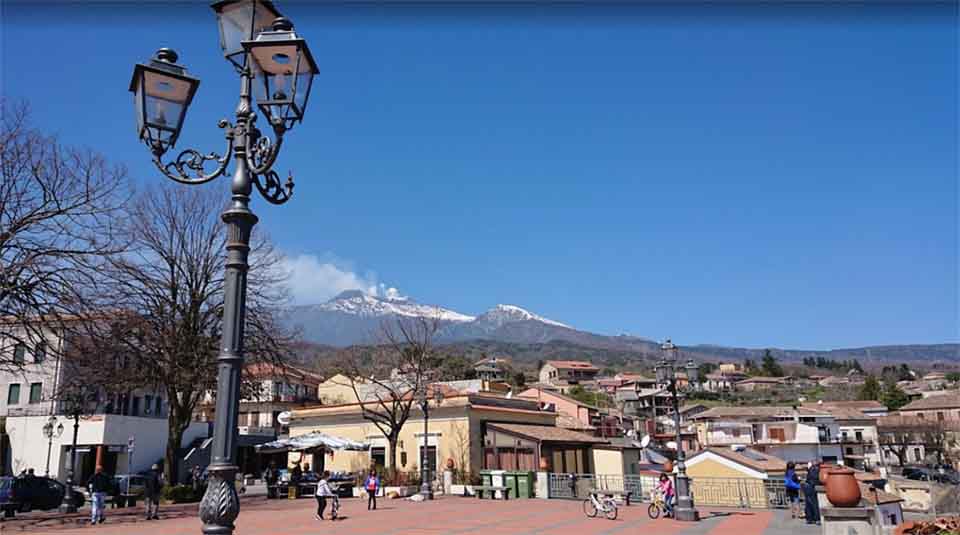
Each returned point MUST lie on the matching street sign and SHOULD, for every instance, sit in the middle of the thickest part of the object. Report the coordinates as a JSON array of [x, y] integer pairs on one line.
[[283, 418]]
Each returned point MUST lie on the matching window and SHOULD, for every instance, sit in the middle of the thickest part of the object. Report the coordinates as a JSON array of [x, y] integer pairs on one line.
[[849, 451], [40, 353], [778, 434], [13, 395], [859, 435], [135, 411], [843, 435], [36, 392], [431, 458], [920, 415], [378, 457], [916, 455], [19, 352], [147, 404], [159, 406], [939, 416]]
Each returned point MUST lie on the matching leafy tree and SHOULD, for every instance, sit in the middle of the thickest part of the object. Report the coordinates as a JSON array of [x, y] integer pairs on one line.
[[893, 397], [953, 377], [871, 390], [750, 367], [769, 365]]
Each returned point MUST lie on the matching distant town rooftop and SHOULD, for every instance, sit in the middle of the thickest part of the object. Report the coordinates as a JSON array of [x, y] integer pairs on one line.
[[571, 365], [944, 401], [758, 412]]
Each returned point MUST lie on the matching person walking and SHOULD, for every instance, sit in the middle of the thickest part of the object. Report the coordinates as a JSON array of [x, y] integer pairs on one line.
[[270, 476], [100, 485], [323, 492], [811, 502], [196, 478], [372, 484], [792, 484], [152, 484]]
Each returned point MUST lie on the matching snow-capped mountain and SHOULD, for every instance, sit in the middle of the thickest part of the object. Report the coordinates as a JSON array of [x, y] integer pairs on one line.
[[357, 317], [366, 305], [503, 314]]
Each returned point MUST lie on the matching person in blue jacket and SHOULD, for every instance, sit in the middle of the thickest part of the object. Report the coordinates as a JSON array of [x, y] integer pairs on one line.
[[372, 486], [792, 483]]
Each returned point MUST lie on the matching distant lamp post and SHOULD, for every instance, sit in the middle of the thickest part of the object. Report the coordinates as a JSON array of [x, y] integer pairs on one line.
[[425, 488], [666, 374], [269, 57], [51, 430]]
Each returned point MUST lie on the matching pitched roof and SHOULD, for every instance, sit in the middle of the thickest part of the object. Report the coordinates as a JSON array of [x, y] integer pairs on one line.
[[944, 401], [749, 458], [770, 380], [571, 364], [847, 410], [543, 433], [758, 412]]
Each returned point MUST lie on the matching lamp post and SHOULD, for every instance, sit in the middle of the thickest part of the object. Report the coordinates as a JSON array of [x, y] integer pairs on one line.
[[425, 488], [75, 408], [666, 374], [51, 430], [276, 64]]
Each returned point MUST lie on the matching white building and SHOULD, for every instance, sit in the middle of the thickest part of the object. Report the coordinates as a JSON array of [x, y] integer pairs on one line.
[[28, 402], [792, 434]]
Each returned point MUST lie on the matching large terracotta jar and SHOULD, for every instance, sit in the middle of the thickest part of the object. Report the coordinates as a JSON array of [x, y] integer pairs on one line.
[[842, 488], [825, 472]]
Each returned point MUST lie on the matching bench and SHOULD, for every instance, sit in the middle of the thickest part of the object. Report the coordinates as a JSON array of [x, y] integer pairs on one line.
[[492, 489], [626, 495]]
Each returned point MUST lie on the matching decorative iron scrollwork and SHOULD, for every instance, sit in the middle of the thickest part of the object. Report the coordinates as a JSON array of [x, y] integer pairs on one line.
[[272, 190], [190, 165]]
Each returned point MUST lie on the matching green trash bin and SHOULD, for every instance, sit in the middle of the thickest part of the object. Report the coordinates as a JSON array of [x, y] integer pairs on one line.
[[486, 479], [510, 481], [525, 482]]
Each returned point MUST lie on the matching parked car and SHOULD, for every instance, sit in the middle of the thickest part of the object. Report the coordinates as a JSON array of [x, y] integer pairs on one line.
[[23, 494]]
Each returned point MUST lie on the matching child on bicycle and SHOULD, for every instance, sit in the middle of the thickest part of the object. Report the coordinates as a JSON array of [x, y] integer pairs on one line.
[[665, 488]]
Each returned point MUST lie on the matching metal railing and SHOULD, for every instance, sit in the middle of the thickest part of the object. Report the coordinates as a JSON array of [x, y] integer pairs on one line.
[[744, 493], [621, 484]]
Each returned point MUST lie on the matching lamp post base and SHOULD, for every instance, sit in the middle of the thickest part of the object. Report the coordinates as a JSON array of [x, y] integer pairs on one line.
[[684, 511], [426, 491]]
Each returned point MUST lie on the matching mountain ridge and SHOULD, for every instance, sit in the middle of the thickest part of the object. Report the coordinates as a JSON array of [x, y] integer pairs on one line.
[[355, 317]]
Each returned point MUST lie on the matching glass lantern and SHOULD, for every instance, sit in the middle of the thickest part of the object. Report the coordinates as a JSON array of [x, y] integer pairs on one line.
[[162, 93], [284, 70], [239, 21]]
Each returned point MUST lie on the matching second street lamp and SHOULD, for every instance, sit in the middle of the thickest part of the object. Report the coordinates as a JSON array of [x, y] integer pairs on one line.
[[163, 91], [426, 490], [666, 374], [50, 432]]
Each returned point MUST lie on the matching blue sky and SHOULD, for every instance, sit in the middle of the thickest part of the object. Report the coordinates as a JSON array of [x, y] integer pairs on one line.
[[741, 175]]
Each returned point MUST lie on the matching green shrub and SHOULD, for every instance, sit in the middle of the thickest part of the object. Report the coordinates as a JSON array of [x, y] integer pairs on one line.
[[180, 494]]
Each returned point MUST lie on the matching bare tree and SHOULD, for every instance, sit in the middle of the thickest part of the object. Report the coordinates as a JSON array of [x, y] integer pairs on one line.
[[897, 433], [388, 380], [58, 207], [170, 285]]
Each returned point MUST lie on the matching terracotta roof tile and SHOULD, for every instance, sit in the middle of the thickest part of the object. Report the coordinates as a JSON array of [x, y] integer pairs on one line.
[[944, 401], [544, 433]]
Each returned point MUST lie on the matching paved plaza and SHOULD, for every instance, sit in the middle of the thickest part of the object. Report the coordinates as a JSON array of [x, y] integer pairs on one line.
[[442, 516]]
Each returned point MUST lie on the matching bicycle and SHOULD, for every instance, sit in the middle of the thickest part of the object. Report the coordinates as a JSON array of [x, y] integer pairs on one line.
[[657, 505], [596, 504]]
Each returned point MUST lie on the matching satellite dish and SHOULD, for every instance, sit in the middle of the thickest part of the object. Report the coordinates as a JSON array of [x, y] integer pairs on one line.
[[283, 418], [645, 441], [671, 445]]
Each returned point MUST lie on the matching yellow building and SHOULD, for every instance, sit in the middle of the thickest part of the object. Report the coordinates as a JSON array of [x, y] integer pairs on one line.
[[476, 431], [734, 478]]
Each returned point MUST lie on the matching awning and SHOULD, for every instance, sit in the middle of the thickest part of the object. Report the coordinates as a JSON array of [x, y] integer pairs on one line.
[[311, 441]]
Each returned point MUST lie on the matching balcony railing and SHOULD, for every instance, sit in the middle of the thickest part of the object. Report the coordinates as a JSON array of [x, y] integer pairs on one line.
[[43, 409]]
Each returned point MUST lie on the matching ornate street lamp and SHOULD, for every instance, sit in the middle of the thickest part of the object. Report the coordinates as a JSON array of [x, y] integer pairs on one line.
[[425, 488], [51, 431], [256, 40], [666, 374]]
